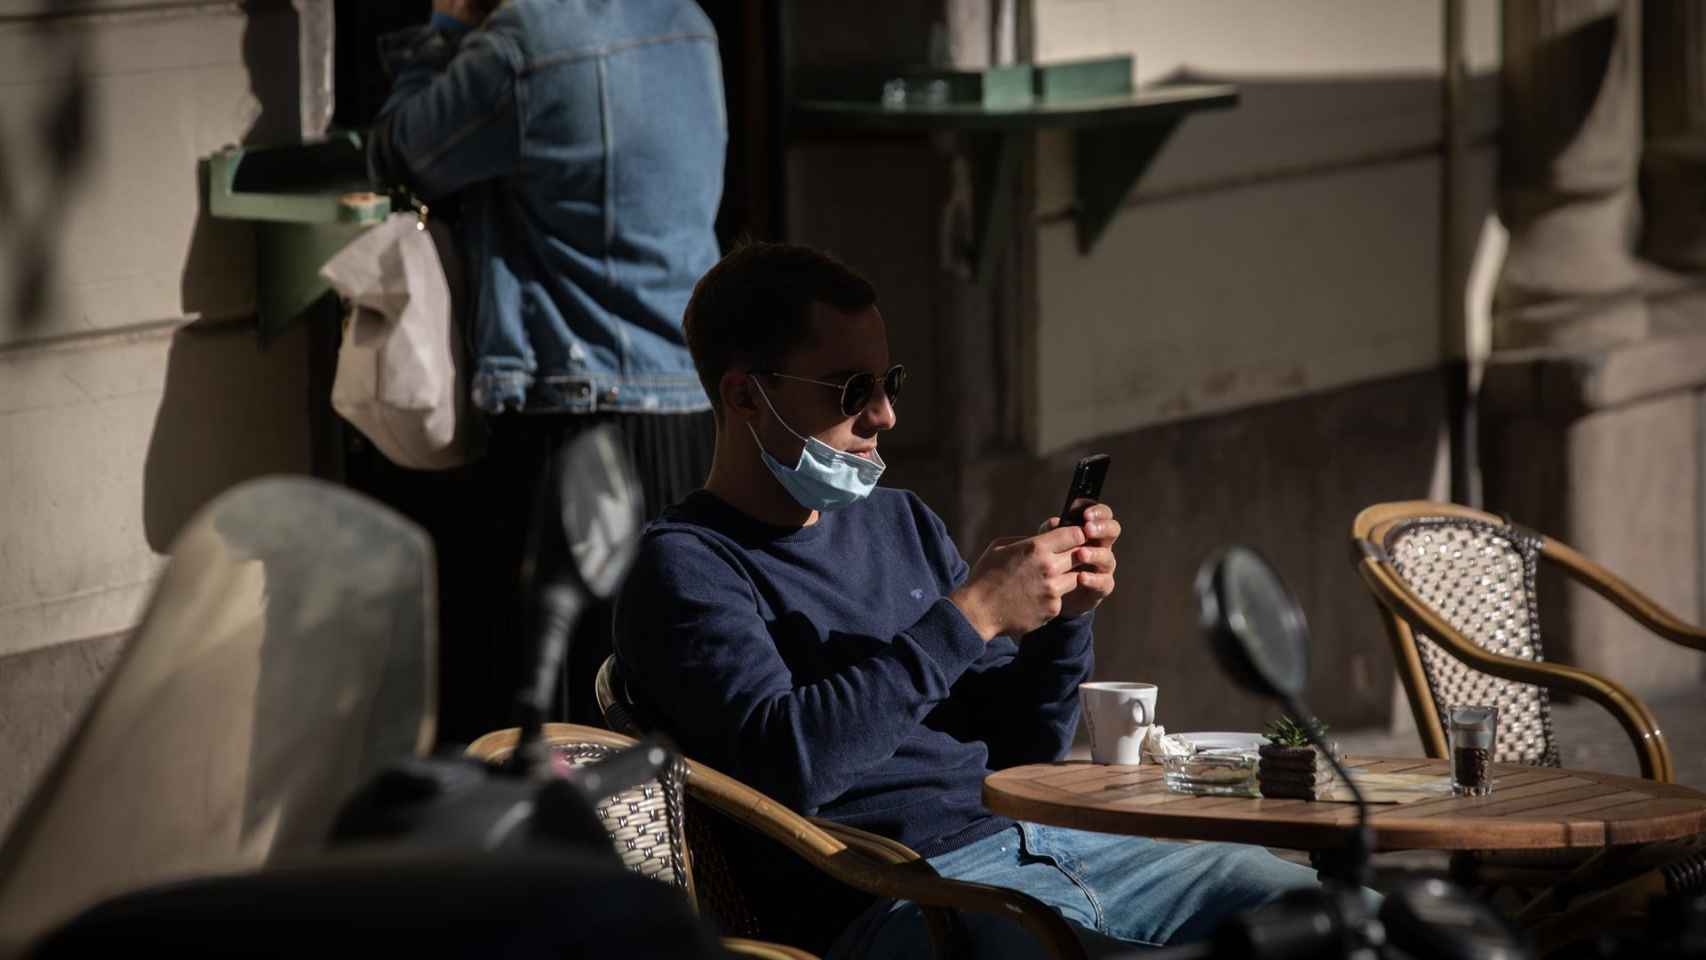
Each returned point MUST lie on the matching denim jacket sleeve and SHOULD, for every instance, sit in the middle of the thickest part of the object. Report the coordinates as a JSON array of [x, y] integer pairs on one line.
[[454, 114]]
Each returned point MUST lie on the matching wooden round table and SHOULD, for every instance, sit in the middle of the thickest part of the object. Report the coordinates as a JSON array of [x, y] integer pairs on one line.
[[1530, 808]]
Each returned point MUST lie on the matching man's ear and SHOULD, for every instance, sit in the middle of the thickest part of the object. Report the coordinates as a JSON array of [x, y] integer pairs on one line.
[[740, 397]]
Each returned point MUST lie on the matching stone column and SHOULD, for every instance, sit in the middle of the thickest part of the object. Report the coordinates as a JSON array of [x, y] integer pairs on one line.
[[1673, 168], [1571, 154]]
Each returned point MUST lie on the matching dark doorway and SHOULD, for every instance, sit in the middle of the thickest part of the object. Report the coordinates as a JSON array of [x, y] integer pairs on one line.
[[358, 77], [748, 33]]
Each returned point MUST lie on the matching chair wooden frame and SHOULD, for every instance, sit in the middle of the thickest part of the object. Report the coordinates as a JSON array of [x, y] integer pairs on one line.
[[864, 861], [1404, 612]]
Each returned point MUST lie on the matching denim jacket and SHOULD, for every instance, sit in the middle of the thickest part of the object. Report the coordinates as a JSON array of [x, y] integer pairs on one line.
[[584, 139]]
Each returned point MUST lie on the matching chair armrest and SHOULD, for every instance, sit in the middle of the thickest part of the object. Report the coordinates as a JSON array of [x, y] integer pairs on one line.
[[883, 876], [1637, 721], [765, 950], [939, 920], [1636, 604], [875, 846], [495, 747]]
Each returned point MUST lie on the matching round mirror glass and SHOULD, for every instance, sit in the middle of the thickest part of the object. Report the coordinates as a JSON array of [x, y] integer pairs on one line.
[[1254, 622], [602, 507]]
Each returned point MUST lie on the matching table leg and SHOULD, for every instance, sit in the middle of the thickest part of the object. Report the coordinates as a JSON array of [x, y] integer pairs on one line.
[[1679, 876]]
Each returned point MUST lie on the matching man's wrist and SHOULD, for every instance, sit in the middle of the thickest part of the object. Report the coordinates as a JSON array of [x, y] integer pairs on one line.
[[1072, 616], [966, 601]]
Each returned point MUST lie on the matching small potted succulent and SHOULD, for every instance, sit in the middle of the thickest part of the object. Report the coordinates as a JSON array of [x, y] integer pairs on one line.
[[1289, 765]]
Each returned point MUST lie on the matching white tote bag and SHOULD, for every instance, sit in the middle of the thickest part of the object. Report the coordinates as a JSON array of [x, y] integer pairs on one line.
[[401, 366]]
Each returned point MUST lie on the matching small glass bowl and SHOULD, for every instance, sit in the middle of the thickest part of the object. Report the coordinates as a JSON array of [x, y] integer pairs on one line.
[[1226, 773]]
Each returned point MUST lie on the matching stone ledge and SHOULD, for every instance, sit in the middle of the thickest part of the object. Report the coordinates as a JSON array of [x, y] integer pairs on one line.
[[1567, 384], [43, 694]]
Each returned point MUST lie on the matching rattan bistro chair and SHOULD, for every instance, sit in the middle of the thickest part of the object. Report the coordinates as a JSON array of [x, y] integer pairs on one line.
[[645, 822], [719, 809], [653, 828], [1456, 588]]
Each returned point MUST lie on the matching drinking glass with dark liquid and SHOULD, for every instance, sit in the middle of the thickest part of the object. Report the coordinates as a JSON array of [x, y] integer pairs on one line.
[[1474, 730]]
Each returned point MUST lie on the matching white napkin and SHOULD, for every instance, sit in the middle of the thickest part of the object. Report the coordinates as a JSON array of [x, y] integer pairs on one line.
[[1158, 745]]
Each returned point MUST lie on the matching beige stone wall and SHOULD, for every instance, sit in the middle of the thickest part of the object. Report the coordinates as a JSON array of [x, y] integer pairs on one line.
[[1255, 37], [1287, 246], [161, 89], [132, 388]]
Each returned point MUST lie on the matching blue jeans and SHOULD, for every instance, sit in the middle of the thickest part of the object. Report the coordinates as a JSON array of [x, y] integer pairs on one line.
[[1117, 892]]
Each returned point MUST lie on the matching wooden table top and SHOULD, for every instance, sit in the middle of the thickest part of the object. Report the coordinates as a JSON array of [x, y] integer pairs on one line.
[[1530, 808]]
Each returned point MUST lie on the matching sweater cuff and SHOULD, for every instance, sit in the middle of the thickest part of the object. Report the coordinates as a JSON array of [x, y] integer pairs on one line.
[[1062, 639], [947, 638]]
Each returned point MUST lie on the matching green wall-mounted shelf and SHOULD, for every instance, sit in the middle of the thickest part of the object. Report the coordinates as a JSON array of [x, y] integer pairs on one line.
[[1151, 105], [306, 201], [1115, 138]]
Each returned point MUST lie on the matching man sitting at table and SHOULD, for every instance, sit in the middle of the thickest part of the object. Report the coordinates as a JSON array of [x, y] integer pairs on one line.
[[822, 640]]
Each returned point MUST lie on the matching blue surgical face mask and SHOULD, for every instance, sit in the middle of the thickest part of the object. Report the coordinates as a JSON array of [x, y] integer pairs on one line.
[[825, 478]]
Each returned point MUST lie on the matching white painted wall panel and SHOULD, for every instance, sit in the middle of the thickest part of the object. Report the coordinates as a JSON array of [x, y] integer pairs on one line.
[[108, 445], [1290, 38], [116, 422], [164, 90], [1285, 246], [1279, 128], [1341, 82], [74, 431], [1218, 300]]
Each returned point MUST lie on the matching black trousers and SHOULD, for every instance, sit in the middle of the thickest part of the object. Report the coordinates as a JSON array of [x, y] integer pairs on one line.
[[480, 516]]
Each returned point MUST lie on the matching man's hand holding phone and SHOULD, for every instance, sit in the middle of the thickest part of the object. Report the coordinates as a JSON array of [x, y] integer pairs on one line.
[[1066, 570], [1019, 583], [1093, 561]]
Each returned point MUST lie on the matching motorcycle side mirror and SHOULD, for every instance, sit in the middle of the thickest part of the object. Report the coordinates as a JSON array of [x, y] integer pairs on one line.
[[1258, 634], [595, 496], [1253, 624], [601, 510]]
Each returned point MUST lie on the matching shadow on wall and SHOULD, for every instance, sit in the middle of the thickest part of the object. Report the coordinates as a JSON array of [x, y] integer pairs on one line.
[[1306, 127], [271, 40], [219, 268], [231, 409], [1572, 67], [34, 195]]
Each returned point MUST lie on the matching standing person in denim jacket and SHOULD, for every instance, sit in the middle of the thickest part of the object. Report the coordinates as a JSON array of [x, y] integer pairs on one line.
[[582, 144]]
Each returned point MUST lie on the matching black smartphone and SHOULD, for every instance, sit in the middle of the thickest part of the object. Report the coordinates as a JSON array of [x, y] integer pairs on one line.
[[1086, 488]]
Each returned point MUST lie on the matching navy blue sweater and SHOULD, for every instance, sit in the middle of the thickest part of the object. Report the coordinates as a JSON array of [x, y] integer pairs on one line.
[[824, 666]]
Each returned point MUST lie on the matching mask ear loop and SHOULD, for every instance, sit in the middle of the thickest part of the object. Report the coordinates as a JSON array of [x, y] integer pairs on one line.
[[808, 441], [766, 398]]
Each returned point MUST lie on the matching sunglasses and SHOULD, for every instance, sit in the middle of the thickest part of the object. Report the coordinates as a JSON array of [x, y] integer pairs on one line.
[[858, 389]]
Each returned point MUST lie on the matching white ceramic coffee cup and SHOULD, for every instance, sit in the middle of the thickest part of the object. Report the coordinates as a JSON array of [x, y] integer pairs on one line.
[[1119, 715]]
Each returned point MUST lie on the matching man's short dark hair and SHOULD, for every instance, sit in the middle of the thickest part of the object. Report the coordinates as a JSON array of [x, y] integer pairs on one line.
[[754, 307]]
